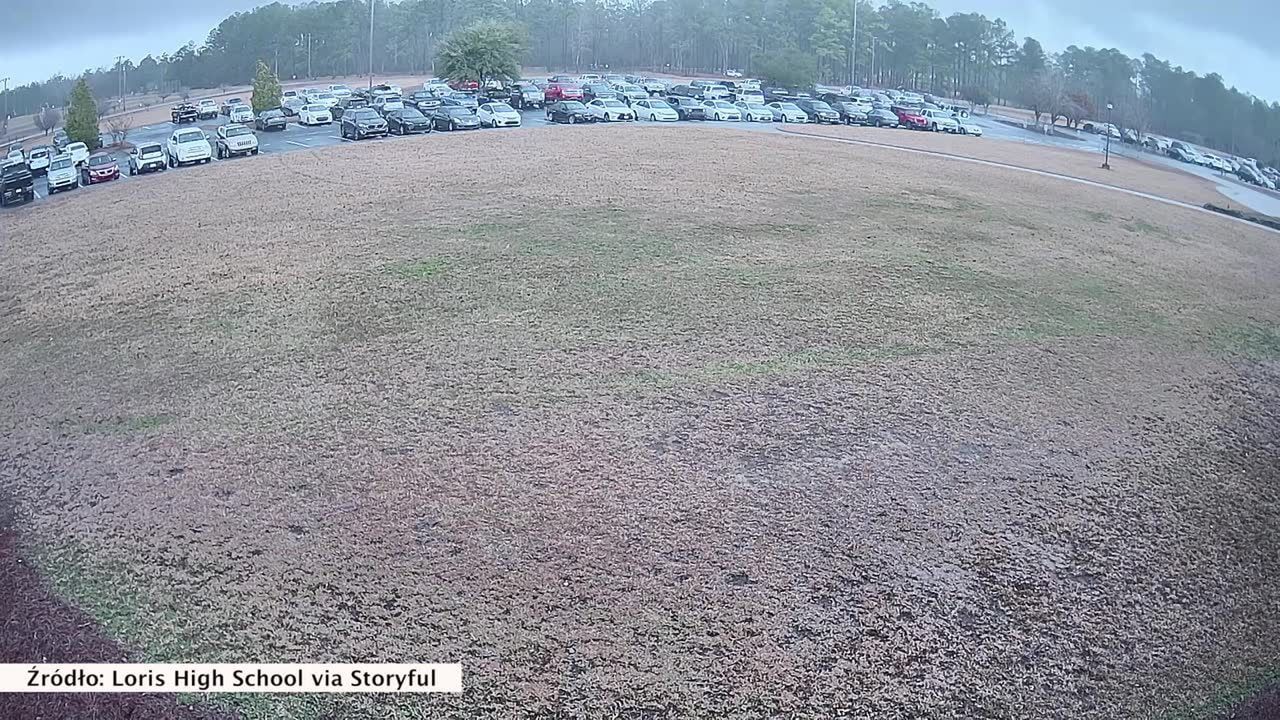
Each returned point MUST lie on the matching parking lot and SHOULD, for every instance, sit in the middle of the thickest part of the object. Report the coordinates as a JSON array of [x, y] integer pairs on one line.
[[301, 137]]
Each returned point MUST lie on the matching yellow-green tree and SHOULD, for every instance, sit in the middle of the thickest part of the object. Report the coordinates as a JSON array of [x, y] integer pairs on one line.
[[82, 115], [266, 89]]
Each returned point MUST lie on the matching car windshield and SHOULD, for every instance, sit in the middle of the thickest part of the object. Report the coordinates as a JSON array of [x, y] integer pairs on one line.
[[61, 164], [659, 105], [362, 114], [77, 147], [324, 96], [573, 106], [234, 132], [501, 108], [724, 105], [756, 106], [456, 110], [149, 149], [315, 108], [819, 105], [612, 103], [410, 114], [632, 88], [791, 107], [190, 136], [101, 160], [207, 103]]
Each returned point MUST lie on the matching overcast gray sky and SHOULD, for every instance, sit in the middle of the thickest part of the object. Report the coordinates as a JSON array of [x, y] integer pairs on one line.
[[1230, 37]]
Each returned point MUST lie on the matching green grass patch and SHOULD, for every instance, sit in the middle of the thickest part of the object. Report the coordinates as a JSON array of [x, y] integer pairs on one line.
[[1250, 338], [419, 269]]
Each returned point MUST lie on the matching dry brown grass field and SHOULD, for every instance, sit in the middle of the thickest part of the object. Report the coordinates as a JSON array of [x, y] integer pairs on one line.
[[780, 428]]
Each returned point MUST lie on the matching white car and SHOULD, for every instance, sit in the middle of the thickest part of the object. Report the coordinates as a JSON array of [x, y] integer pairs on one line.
[[62, 174], [340, 90], [749, 96], [15, 156], [754, 111], [608, 110], [79, 153], [654, 109], [326, 99], [939, 121], [38, 160], [969, 127], [436, 87], [787, 112], [235, 140], [241, 114], [188, 145], [497, 114], [314, 115], [721, 110]]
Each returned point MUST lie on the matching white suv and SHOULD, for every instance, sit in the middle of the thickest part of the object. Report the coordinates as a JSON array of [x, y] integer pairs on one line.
[[939, 120], [236, 140], [62, 174], [188, 145]]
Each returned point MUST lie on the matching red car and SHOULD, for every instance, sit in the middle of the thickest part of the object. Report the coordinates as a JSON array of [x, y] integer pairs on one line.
[[464, 86], [100, 168], [911, 118], [562, 91]]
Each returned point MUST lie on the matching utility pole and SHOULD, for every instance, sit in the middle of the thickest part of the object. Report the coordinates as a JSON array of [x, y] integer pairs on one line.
[[120, 64], [853, 47], [307, 38], [871, 79], [371, 2], [4, 119]]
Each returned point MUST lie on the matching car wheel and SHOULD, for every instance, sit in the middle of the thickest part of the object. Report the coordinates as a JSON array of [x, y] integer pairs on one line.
[[607, 118], [255, 151], [964, 131], [573, 119]]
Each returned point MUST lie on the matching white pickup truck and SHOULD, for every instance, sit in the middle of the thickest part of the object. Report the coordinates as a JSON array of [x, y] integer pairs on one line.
[[188, 145]]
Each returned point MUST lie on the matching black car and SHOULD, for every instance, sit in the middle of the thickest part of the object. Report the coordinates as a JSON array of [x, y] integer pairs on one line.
[[460, 99], [882, 117], [598, 91], [684, 91], [851, 113], [424, 100], [407, 121], [454, 117], [359, 123], [16, 183], [687, 108], [818, 111], [271, 120], [568, 111], [350, 103]]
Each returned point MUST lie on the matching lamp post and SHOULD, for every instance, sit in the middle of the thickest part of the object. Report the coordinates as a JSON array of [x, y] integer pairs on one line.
[[120, 64], [853, 50], [1106, 158], [371, 2], [871, 79]]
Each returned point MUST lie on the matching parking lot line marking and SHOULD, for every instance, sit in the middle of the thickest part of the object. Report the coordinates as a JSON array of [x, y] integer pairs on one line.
[[295, 142]]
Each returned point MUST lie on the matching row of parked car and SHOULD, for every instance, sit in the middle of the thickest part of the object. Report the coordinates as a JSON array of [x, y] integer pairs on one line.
[[442, 106]]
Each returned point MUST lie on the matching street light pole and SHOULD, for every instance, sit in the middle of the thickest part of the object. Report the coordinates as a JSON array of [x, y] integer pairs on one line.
[[871, 80], [120, 64], [1106, 158], [371, 43]]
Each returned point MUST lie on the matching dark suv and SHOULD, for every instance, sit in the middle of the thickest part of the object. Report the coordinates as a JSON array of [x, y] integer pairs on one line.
[[818, 111], [687, 108], [360, 123]]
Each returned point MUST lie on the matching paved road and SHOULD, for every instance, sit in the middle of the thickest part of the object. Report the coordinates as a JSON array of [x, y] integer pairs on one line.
[[1229, 185]]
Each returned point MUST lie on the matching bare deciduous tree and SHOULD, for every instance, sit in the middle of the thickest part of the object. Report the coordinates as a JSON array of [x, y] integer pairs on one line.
[[47, 119], [119, 126]]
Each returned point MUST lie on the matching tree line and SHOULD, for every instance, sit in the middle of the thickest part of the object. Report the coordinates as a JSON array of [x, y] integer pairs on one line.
[[897, 44]]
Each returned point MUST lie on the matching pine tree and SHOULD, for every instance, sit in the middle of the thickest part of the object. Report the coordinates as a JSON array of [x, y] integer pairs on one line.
[[82, 115], [266, 89]]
